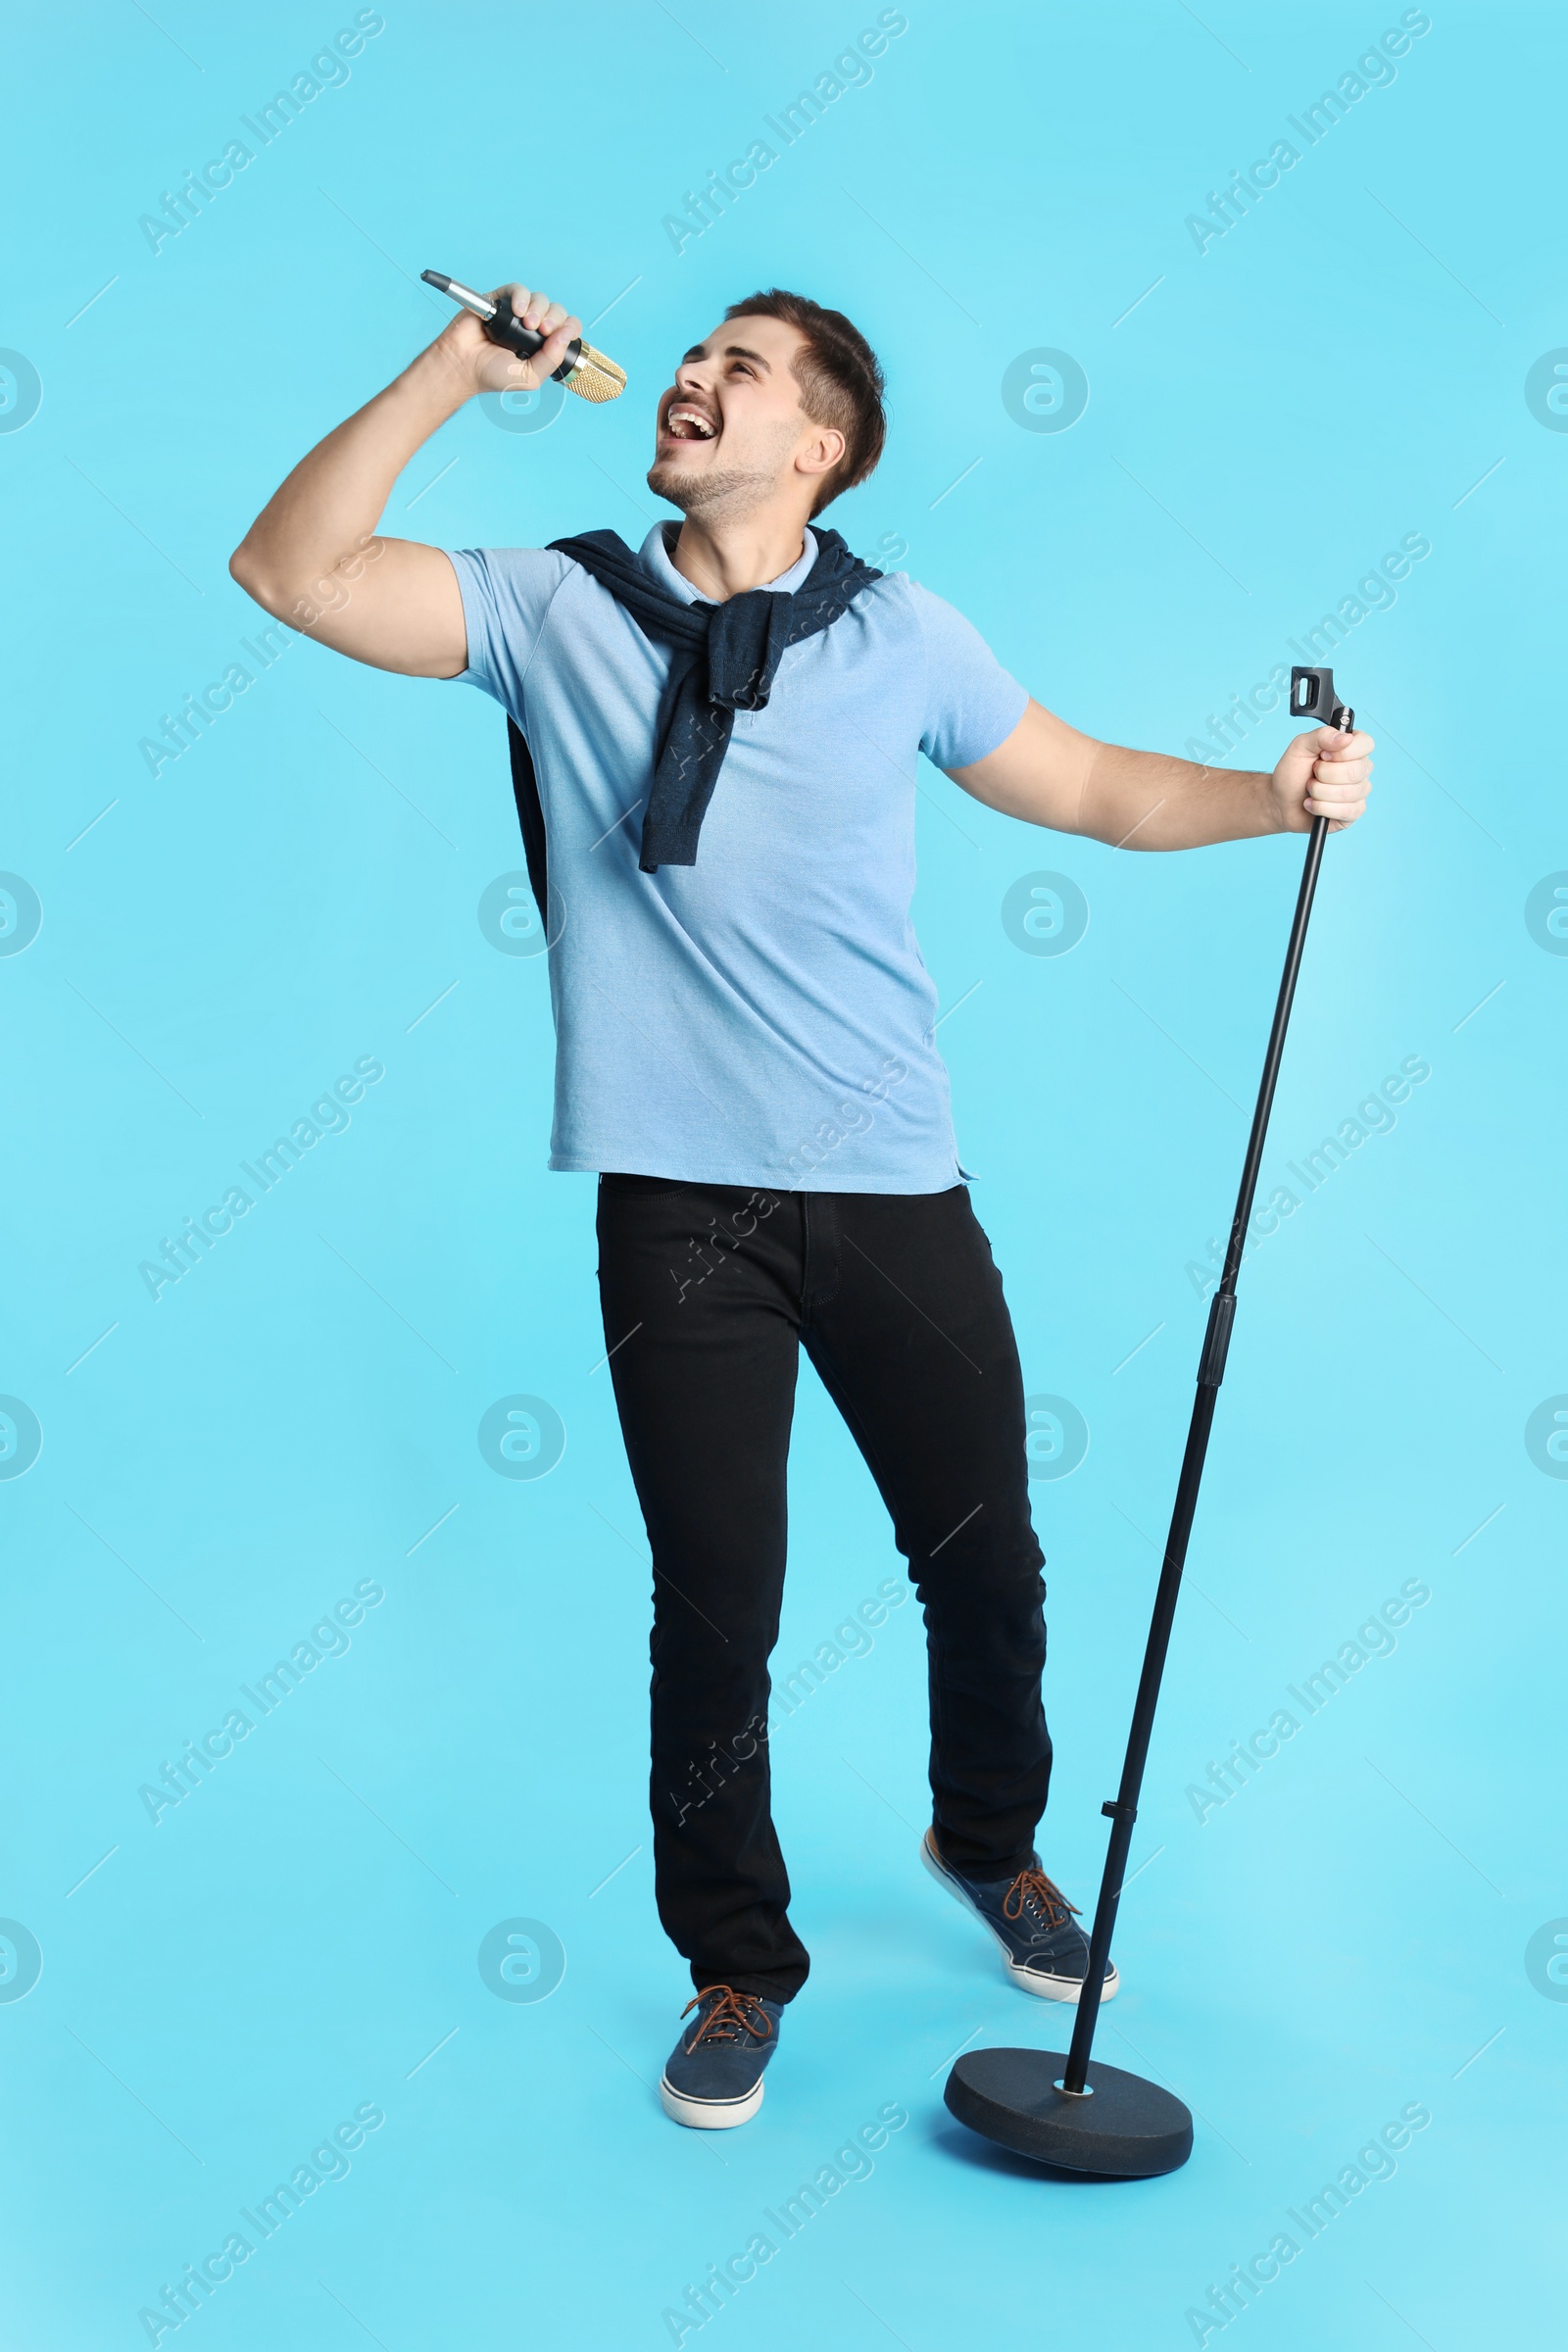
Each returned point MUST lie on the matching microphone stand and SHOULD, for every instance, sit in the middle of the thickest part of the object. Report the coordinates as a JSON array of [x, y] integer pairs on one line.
[[1061, 2110]]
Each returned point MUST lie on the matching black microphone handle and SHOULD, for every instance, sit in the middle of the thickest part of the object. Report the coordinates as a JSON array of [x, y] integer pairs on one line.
[[508, 329]]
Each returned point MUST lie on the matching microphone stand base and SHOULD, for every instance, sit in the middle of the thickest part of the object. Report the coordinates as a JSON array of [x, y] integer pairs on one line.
[[1128, 2129]]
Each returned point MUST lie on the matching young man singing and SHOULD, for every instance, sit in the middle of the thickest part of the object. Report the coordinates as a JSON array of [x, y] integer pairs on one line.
[[721, 734]]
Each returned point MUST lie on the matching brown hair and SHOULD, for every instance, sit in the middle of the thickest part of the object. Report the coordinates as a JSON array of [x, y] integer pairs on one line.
[[840, 381]]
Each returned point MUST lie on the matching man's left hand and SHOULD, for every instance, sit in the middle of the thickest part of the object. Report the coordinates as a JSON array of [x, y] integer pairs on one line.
[[1323, 775]]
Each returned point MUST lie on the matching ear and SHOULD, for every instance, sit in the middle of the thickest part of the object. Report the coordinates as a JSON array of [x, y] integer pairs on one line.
[[821, 450]]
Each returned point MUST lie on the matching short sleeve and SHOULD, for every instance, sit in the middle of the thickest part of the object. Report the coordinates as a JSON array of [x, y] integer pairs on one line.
[[971, 703], [507, 594]]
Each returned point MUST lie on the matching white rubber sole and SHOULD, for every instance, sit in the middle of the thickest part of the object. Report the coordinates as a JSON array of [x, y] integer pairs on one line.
[[709, 2115], [1050, 1988]]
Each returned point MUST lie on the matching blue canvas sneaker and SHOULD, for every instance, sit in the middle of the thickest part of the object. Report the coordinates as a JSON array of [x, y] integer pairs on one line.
[[1043, 1948], [714, 2078]]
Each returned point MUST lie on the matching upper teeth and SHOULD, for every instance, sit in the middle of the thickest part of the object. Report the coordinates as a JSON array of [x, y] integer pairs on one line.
[[692, 416]]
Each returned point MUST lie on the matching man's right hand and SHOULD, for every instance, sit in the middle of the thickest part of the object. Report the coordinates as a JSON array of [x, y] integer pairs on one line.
[[487, 367]]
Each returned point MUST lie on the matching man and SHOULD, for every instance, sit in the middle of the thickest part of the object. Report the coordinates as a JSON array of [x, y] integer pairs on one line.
[[721, 735]]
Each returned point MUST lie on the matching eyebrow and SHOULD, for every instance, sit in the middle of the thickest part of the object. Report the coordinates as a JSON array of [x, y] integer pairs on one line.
[[731, 351]]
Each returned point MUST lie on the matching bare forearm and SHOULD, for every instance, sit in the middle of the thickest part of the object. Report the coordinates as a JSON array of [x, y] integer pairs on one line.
[[314, 556], [1049, 773], [1145, 800], [325, 513]]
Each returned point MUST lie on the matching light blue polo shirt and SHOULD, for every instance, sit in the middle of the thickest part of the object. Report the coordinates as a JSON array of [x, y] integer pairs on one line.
[[761, 1017]]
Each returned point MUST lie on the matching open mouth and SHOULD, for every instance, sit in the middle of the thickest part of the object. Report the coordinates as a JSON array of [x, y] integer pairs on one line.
[[684, 422]]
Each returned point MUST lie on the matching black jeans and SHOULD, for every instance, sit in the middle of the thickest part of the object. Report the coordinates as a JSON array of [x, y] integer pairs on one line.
[[708, 1291]]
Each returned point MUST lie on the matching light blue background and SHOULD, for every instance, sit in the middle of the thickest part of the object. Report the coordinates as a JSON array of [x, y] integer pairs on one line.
[[300, 889]]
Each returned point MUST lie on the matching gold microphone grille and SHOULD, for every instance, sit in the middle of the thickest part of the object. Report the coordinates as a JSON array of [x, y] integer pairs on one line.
[[595, 377]]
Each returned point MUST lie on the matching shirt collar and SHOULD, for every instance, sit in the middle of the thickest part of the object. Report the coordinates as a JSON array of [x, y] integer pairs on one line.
[[655, 557]]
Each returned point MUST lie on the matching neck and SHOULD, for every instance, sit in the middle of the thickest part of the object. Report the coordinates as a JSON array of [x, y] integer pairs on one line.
[[724, 558]]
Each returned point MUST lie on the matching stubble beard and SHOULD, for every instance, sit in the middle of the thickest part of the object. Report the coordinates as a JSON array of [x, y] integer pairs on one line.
[[728, 490]]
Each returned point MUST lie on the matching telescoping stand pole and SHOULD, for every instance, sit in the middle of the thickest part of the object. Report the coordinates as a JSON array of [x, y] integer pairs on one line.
[[1062, 2110]]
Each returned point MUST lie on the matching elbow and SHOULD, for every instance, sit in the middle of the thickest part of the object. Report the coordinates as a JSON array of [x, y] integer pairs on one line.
[[247, 571]]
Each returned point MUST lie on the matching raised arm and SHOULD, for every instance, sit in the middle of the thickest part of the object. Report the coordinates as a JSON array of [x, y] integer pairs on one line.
[[1049, 775], [314, 558]]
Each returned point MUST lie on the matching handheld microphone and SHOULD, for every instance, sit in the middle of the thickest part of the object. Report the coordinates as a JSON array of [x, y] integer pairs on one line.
[[583, 370]]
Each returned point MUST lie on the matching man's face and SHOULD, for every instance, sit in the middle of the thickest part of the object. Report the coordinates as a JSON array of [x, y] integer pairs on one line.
[[731, 428]]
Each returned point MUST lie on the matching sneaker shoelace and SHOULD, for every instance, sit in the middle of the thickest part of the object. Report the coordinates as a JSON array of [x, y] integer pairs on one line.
[[731, 2015], [1032, 1891]]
